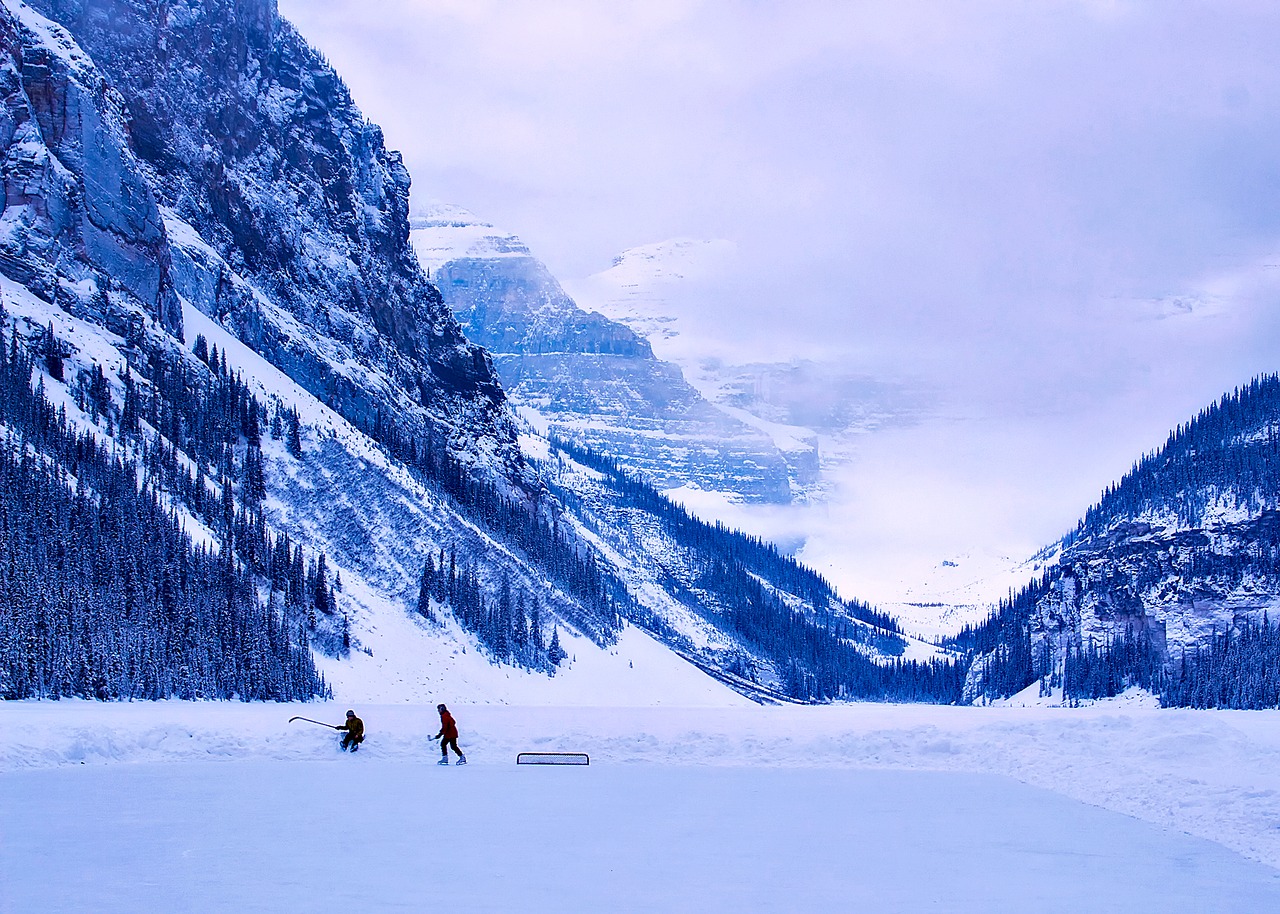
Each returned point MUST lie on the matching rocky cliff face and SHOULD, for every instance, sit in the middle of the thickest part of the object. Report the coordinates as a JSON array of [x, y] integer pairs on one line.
[[585, 377], [80, 224], [1175, 587], [289, 214], [506, 299]]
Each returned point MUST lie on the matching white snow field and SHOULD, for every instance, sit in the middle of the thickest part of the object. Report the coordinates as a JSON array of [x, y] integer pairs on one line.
[[203, 807]]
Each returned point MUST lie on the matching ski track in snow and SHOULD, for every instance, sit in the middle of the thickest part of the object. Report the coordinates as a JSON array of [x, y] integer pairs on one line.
[[1212, 774]]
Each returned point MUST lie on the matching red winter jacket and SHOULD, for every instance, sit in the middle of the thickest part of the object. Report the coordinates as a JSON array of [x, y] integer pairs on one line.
[[448, 726]]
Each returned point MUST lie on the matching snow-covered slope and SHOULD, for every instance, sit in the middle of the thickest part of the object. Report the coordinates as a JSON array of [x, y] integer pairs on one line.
[[266, 358], [640, 288], [374, 522]]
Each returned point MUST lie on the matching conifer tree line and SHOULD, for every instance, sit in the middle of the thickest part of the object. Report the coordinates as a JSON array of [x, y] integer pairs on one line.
[[1235, 670], [102, 593], [531, 528], [209, 440], [1090, 670], [1231, 447], [813, 649], [724, 546], [207, 450], [511, 626]]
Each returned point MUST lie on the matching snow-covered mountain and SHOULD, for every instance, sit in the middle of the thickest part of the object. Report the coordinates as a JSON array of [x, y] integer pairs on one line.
[[581, 376], [820, 412], [232, 149], [660, 290], [1171, 580], [245, 439], [207, 274], [640, 290]]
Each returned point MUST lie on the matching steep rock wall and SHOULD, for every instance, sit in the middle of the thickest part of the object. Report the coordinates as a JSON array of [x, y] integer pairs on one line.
[[257, 146], [79, 220]]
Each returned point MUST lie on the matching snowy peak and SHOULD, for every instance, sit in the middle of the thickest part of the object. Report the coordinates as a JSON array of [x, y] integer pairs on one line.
[[444, 232], [674, 260], [587, 378], [504, 298], [653, 289]]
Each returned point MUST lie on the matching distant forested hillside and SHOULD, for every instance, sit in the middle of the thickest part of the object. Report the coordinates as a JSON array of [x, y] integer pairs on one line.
[[1171, 582]]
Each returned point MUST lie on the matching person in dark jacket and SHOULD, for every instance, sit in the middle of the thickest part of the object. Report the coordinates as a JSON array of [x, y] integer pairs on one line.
[[448, 736], [355, 732]]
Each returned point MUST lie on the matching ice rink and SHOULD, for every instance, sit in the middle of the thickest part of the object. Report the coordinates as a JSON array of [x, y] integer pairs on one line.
[[363, 834], [173, 807]]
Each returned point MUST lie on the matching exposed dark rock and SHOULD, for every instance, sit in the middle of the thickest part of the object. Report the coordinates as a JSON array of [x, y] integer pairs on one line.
[[79, 216], [255, 144]]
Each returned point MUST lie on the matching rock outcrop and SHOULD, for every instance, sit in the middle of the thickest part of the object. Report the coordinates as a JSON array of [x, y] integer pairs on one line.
[[1185, 549], [80, 221], [292, 214]]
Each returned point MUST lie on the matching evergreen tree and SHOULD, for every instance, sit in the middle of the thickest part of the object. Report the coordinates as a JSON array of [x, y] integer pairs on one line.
[[424, 589], [54, 351], [102, 593], [294, 439]]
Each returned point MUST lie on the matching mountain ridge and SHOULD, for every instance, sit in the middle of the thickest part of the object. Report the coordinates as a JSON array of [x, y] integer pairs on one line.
[[341, 444]]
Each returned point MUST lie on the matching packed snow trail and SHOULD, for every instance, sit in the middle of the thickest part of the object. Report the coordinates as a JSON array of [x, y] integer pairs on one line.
[[358, 833]]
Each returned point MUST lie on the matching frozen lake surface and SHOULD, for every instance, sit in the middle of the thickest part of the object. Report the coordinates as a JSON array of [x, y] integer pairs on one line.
[[363, 834], [202, 807]]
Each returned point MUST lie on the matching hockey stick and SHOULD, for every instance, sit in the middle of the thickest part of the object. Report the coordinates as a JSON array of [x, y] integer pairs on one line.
[[310, 721]]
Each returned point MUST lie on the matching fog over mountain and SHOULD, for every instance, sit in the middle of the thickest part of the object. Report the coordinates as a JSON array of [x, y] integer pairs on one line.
[[1053, 224]]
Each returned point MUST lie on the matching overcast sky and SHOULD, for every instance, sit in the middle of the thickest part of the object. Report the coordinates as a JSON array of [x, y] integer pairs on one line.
[[1064, 214]]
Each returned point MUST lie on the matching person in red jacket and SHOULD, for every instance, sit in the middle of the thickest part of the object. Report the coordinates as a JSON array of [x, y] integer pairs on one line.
[[448, 736]]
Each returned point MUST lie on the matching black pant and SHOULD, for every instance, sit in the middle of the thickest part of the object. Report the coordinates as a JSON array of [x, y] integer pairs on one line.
[[446, 743], [351, 742]]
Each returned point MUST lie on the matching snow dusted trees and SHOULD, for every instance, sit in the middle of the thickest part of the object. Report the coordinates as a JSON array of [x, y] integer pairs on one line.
[[509, 626], [293, 438], [102, 593]]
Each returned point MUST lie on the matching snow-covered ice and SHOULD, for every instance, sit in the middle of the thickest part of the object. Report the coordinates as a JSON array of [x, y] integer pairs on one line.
[[175, 806], [367, 834]]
